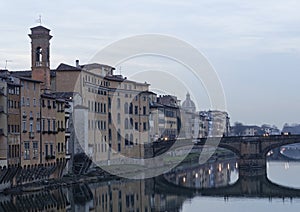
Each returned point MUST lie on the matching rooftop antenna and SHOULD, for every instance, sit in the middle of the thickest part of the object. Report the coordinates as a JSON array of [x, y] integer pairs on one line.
[[6, 61], [120, 70]]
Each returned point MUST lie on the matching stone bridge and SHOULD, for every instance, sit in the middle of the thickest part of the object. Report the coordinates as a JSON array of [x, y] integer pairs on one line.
[[250, 150]]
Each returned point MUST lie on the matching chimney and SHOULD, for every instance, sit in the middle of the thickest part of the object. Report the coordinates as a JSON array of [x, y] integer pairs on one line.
[[77, 63]]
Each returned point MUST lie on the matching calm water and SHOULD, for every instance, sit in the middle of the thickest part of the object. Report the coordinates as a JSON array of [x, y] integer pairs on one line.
[[215, 186]]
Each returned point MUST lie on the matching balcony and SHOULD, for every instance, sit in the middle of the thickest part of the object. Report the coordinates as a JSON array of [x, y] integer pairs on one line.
[[31, 135]]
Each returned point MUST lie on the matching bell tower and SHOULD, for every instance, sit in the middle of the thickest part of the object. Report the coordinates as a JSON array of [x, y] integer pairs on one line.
[[40, 55]]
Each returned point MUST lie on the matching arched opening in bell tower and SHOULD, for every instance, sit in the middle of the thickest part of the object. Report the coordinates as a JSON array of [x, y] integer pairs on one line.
[[39, 56]]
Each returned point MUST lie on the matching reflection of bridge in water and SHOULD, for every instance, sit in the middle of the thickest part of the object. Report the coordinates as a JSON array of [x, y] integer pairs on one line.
[[251, 183]]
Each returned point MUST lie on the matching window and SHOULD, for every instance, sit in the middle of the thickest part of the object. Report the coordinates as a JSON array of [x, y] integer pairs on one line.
[[34, 102], [131, 139], [58, 147], [109, 118], [126, 123], [53, 124], [126, 140], [136, 126], [118, 103], [43, 125], [49, 128], [51, 149], [119, 135], [131, 123], [38, 127], [130, 108], [23, 101], [109, 102], [119, 147], [126, 108], [145, 126], [28, 102], [24, 126], [26, 151], [144, 110], [104, 108], [136, 110], [35, 150], [38, 56], [31, 126], [46, 150], [109, 134], [119, 118]]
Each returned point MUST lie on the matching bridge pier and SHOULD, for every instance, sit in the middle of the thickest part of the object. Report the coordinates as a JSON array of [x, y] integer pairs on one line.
[[252, 166]]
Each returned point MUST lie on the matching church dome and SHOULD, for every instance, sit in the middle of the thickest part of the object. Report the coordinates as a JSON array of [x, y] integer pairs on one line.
[[188, 104]]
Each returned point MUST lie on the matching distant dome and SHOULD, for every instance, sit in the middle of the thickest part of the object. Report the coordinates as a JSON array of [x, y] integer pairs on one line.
[[188, 104]]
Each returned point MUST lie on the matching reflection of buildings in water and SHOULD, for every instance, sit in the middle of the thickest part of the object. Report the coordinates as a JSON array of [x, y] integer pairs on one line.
[[123, 195], [119, 196], [205, 176], [53, 200], [135, 195]]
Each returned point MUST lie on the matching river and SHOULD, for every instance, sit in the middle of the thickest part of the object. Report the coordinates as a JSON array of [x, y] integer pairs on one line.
[[214, 186]]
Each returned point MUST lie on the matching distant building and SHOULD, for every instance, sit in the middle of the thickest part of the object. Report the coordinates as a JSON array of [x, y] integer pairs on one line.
[[164, 118]]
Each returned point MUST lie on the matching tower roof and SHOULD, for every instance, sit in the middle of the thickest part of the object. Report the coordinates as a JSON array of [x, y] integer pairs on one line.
[[40, 27]]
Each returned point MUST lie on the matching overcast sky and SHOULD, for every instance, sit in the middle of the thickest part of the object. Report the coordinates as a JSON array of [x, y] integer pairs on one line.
[[254, 46]]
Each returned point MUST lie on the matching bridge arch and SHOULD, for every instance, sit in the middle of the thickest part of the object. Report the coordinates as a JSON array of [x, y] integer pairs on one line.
[[278, 141]]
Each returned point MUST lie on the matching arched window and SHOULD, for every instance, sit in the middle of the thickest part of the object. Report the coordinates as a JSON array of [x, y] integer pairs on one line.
[[131, 123], [131, 139], [119, 118], [126, 123], [118, 103], [119, 135], [38, 56], [130, 108], [126, 140], [126, 108]]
